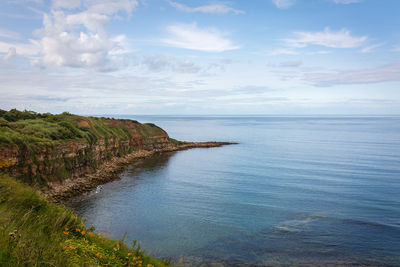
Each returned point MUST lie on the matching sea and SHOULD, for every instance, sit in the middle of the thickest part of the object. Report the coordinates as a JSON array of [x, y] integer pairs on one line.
[[294, 191]]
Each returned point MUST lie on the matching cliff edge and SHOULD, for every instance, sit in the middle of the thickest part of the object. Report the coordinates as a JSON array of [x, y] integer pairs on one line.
[[46, 148], [67, 154]]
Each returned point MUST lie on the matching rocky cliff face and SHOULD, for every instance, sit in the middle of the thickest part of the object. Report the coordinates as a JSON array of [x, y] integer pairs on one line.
[[74, 158]]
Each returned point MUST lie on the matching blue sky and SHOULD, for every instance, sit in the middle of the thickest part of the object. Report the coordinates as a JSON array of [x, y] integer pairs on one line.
[[201, 57]]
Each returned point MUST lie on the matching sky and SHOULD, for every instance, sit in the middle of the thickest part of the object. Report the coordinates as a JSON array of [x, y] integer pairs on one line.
[[201, 57]]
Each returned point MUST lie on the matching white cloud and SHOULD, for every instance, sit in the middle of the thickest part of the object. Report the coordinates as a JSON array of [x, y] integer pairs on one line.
[[389, 73], [9, 34], [216, 8], [110, 7], [61, 46], [37, 63], [347, 1], [93, 22], [81, 39], [11, 53], [189, 36], [68, 4], [327, 38], [283, 3], [370, 48]]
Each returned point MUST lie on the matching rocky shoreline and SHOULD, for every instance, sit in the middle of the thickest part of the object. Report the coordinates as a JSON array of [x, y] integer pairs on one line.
[[110, 170]]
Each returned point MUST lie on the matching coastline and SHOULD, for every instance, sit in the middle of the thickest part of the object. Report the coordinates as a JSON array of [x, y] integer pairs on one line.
[[110, 170]]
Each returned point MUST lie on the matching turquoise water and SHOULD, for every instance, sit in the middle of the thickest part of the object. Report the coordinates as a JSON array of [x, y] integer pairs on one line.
[[296, 190]]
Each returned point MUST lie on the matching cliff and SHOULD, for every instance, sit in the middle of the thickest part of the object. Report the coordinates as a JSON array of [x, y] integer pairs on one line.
[[66, 155], [42, 148]]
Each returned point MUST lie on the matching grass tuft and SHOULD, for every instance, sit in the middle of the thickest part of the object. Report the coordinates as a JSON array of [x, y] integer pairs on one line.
[[34, 232]]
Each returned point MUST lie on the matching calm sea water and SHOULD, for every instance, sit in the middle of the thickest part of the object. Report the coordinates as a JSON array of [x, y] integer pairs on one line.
[[295, 191]]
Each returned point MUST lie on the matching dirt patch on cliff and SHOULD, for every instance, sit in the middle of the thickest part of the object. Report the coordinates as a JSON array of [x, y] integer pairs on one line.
[[83, 123]]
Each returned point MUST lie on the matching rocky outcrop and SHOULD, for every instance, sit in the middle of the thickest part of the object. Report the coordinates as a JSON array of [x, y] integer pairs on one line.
[[109, 171], [8, 156]]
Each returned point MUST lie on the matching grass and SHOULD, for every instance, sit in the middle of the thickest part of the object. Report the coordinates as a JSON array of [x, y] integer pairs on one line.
[[31, 128], [34, 232]]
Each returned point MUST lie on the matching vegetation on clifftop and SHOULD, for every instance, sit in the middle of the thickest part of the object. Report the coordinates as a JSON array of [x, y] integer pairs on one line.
[[29, 128], [34, 232], [39, 148]]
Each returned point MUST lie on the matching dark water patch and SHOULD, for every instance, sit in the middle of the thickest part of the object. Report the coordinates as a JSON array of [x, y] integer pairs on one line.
[[294, 246]]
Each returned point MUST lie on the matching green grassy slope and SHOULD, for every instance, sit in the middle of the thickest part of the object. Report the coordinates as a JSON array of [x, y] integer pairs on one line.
[[28, 128], [34, 232]]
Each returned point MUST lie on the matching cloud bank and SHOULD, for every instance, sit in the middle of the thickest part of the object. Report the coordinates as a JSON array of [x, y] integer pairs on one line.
[[74, 34], [388, 73]]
